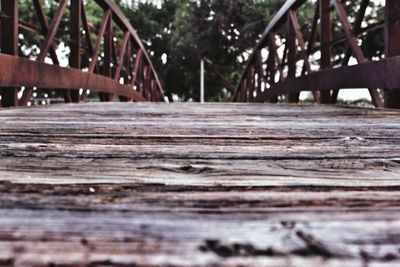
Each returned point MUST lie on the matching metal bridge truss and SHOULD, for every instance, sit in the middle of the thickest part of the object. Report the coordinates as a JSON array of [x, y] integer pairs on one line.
[[283, 62], [110, 59]]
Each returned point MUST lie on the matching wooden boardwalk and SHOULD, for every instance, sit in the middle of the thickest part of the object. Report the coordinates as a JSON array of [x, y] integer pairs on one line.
[[199, 185]]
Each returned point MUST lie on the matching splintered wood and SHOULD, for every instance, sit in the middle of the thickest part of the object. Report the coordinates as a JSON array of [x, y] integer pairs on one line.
[[124, 184]]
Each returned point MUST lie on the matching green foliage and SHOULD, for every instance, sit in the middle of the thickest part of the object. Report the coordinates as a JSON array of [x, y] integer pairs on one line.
[[220, 31]]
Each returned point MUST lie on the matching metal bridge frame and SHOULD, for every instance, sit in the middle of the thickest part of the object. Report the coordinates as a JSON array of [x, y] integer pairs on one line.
[[278, 76], [109, 58]]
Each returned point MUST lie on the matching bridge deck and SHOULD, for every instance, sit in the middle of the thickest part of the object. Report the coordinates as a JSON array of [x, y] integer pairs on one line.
[[189, 184]]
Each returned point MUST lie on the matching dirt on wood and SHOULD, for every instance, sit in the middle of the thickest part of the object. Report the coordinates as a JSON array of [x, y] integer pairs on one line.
[[122, 184]]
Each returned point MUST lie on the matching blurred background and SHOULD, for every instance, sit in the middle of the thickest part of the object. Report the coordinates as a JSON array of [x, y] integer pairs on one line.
[[178, 34]]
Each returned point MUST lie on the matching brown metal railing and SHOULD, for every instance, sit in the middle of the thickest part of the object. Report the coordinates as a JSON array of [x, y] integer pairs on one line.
[[287, 71], [118, 64]]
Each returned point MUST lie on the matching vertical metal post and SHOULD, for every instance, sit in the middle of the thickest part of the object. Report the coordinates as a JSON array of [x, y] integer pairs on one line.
[[251, 86], [202, 81], [259, 71], [243, 95], [128, 68], [392, 41], [292, 49], [107, 70], [326, 38], [271, 63], [75, 44], [147, 82], [303, 50], [9, 45]]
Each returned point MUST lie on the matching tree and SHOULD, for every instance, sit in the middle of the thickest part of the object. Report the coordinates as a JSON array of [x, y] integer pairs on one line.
[[184, 31]]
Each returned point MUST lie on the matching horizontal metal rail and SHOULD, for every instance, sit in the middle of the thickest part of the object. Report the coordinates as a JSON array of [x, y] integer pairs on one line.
[[115, 64], [48, 76], [287, 69], [383, 73]]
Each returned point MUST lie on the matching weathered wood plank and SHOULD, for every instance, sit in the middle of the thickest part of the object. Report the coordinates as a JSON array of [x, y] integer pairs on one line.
[[199, 185]]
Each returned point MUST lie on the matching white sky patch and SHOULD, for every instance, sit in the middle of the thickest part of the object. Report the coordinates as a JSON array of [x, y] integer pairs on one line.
[[354, 94], [158, 3], [164, 58]]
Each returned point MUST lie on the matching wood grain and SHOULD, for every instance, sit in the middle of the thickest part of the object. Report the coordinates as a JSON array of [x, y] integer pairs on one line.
[[122, 184]]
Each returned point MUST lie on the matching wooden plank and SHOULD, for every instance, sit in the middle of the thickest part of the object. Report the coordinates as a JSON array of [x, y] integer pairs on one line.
[[119, 184]]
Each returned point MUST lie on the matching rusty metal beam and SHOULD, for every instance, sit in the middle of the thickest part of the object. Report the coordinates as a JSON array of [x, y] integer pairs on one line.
[[102, 30], [299, 36], [323, 13], [384, 73], [260, 71], [271, 70], [107, 59], [326, 38], [127, 62], [75, 44], [340, 39], [86, 28], [112, 65], [121, 58], [357, 51], [44, 75], [292, 51], [47, 44], [274, 51], [44, 25], [356, 30], [53, 27], [312, 36], [277, 21], [9, 45], [137, 67], [356, 27], [124, 24], [392, 46], [250, 86]]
